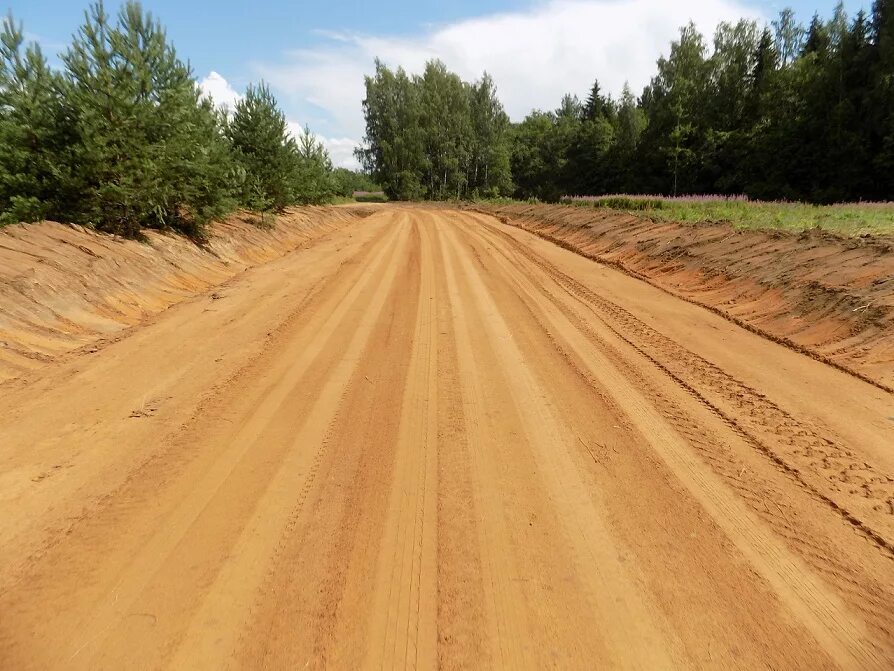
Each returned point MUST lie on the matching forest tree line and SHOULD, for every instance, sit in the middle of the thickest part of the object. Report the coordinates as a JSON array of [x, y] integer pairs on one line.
[[122, 138], [783, 111], [434, 136]]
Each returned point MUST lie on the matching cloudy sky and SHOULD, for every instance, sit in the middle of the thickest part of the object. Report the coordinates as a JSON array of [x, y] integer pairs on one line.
[[314, 54]]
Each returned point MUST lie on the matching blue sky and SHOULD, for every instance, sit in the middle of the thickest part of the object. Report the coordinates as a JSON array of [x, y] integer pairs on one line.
[[314, 54]]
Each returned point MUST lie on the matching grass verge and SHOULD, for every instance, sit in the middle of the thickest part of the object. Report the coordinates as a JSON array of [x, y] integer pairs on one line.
[[845, 219]]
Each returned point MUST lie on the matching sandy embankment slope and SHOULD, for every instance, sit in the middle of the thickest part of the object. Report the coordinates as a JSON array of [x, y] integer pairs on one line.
[[65, 287]]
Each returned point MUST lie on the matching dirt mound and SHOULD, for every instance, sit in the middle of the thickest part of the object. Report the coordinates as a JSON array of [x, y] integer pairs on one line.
[[64, 287], [829, 296]]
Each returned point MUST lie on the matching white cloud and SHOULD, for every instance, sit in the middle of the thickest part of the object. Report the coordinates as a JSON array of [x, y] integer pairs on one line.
[[535, 55], [217, 88], [341, 150]]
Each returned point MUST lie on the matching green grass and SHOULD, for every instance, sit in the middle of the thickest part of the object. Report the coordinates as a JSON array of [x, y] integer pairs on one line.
[[340, 200], [845, 219], [505, 200], [626, 203]]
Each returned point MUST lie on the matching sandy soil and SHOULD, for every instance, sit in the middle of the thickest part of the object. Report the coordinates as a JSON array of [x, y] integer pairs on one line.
[[832, 297], [65, 288], [428, 439]]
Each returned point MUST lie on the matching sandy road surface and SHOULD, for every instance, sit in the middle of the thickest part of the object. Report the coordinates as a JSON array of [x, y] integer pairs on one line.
[[430, 439]]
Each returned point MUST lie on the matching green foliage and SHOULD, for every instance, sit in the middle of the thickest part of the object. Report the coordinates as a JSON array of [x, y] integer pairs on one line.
[[394, 153], [540, 146], [122, 139], [312, 181], [348, 181], [371, 198], [264, 151], [634, 204], [35, 132], [277, 169], [489, 172], [434, 136], [149, 152], [845, 219], [788, 113]]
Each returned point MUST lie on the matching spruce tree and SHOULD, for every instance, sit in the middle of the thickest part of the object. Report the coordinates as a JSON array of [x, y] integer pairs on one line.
[[817, 40], [594, 106], [882, 99]]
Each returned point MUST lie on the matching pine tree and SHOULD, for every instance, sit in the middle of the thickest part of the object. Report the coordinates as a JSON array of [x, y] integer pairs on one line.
[[313, 174], [35, 132], [264, 150], [150, 154]]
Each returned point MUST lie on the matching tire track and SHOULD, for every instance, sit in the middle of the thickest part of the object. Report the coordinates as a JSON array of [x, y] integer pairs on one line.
[[794, 447], [171, 492], [506, 627], [280, 510], [315, 606], [590, 548], [824, 614], [406, 589]]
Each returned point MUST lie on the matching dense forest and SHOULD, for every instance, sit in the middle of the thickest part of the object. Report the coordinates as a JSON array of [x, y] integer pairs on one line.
[[772, 112], [122, 139]]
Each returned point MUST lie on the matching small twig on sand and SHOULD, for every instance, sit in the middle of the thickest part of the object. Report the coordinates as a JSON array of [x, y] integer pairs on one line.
[[784, 516], [589, 449]]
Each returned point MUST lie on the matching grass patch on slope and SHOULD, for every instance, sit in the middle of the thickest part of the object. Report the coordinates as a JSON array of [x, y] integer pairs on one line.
[[844, 219]]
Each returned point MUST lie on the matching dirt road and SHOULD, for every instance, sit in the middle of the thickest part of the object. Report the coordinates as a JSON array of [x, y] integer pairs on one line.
[[432, 440]]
